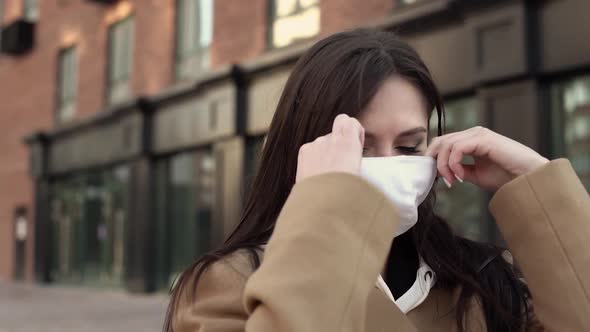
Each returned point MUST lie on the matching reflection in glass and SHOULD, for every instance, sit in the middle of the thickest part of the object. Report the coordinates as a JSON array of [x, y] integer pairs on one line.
[[294, 20], [120, 59], [463, 205], [194, 34], [185, 199], [88, 215], [31, 10], [571, 124]]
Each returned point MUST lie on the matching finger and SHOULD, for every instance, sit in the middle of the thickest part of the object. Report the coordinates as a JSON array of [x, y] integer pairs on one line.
[[432, 147], [340, 121], [360, 130], [442, 151], [442, 157], [442, 163], [458, 151], [435, 144], [353, 130], [469, 173], [303, 148], [320, 139], [362, 134], [300, 157]]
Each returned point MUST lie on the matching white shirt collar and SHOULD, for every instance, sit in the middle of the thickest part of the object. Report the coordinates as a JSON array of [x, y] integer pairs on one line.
[[413, 297]]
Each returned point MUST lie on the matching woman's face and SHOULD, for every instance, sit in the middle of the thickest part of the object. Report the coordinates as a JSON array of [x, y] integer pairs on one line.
[[395, 120]]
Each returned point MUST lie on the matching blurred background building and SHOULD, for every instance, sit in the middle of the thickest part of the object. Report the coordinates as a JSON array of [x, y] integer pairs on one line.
[[130, 129]]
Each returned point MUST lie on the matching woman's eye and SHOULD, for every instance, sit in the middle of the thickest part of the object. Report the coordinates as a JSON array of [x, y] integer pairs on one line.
[[408, 149], [366, 151]]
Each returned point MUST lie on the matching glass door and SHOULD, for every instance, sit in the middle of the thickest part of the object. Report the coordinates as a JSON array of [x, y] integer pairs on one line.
[[185, 195], [65, 221], [89, 213]]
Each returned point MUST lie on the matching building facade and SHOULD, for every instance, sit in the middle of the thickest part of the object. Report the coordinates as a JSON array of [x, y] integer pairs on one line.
[[131, 129]]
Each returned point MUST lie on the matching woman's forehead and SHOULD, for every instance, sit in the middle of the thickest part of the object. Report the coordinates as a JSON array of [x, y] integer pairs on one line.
[[396, 107]]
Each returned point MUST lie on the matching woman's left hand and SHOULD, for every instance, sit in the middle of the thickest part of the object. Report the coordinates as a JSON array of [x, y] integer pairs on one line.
[[498, 159]]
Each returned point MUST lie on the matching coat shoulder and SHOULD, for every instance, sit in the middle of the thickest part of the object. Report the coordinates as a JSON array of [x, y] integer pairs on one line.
[[215, 301], [242, 261]]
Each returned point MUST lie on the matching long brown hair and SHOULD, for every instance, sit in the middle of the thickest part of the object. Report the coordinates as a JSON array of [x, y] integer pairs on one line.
[[341, 74]]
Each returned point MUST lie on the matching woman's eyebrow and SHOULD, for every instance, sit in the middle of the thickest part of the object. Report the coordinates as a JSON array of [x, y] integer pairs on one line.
[[407, 133], [412, 132]]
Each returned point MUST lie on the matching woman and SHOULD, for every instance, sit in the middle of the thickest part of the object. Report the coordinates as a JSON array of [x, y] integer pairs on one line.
[[329, 242]]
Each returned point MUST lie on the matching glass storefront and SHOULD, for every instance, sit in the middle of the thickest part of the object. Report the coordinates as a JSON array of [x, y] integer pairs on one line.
[[571, 124], [463, 206], [88, 218], [185, 199]]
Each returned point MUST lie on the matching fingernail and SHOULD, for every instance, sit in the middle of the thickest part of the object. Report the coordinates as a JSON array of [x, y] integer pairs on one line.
[[446, 182], [458, 178]]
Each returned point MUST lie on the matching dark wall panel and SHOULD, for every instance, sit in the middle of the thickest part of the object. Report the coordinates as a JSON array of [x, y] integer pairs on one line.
[[565, 29], [513, 110], [139, 249], [195, 120], [42, 231], [449, 53], [263, 96], [105, 143], [500, 42], [230, 160]]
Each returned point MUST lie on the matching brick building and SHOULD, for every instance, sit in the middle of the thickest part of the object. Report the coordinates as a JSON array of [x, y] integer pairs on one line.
[[130, 128]]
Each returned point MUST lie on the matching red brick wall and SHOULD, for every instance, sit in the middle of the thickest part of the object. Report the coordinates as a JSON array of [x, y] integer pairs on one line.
[[154, 45], [241, 27], [240, 30], [338, 15], [27, 83], [26, 96]]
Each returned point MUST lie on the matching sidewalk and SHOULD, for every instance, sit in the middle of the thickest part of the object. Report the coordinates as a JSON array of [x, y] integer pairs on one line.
[[33, 308]]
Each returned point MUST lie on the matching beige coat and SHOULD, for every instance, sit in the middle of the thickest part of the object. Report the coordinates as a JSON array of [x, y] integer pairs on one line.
[[332, 239]]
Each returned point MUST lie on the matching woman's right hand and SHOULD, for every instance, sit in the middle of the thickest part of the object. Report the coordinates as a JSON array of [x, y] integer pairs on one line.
[[339, 151]]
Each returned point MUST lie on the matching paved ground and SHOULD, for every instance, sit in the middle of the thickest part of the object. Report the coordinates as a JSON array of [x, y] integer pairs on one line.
[[28, 308]]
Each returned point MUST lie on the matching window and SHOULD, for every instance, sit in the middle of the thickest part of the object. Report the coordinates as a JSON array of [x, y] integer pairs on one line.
[[120, 60], [463, 205], [185, 199], [31, 10], [571, 124], [67, 84], [293, 20], [194, 33]]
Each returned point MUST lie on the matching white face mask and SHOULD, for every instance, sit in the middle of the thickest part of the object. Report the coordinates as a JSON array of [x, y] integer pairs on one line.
[[405, 180]]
